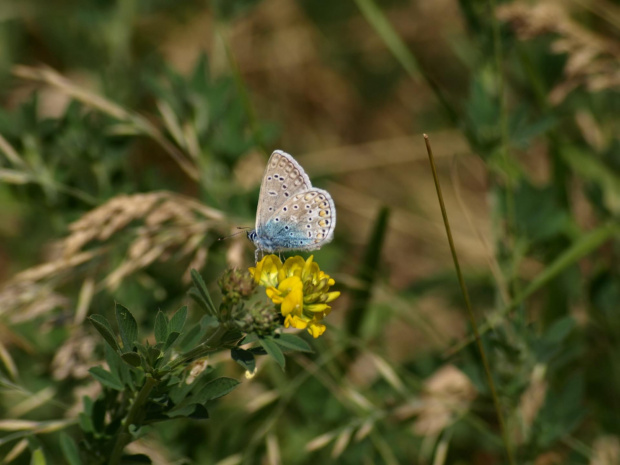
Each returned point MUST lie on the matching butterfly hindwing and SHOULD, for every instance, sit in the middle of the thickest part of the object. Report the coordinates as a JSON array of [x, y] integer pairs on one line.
[[306, 221], [283, 178]]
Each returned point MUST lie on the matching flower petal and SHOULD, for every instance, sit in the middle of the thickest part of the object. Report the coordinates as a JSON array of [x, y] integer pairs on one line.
[[316, 329]]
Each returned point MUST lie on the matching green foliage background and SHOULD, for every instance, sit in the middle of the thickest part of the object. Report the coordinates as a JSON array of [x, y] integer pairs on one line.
[[183, 102]]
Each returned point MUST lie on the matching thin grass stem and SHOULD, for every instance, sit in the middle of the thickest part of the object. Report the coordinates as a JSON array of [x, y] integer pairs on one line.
[[399, 50], [472, 317]]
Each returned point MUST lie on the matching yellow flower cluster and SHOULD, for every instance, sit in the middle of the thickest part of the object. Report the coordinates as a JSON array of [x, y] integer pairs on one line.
[[300, 288]]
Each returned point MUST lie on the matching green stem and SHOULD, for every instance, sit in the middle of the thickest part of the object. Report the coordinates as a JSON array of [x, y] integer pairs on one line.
[[124, 437], [504, 134], [470, 312], [202, 349]]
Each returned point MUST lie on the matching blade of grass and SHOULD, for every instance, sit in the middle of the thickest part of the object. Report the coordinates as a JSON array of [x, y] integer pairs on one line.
[[398, 48], [589, 242], [360, 297], [472, 317]]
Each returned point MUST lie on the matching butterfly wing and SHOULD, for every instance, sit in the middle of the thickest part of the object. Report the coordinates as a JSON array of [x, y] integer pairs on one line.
[[283, 178], [306, 221]]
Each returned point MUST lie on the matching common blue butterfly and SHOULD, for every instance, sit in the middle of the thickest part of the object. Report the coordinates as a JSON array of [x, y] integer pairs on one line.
[[291, 214]]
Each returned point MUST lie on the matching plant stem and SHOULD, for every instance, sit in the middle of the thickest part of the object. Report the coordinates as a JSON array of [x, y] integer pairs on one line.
[[124, 437], [202, 349], [470, 312]]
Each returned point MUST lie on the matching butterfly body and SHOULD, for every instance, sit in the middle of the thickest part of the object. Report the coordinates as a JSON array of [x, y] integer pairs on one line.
[[291, 214]]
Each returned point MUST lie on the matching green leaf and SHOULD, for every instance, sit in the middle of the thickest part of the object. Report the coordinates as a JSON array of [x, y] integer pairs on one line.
[[38, 458], [102, 325], [199, 413], [250, 338], [231, 337], [136, 459], [212, 390], [127, 326], [559, 330], [85, 417], [161, 327], [153, 355], [192, 337], [98, 414], [132, 359], [244, 358], [273, 349], [177, 322], [69, 449], [367, 273], [106, 378], [595, 170], [292, 342], [203, 292], [184, 409], [118, 369], [215, 389], [585, 245], [172, 337]]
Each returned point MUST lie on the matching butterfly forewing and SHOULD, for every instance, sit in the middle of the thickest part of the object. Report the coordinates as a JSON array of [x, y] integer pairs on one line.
[[283, 179]]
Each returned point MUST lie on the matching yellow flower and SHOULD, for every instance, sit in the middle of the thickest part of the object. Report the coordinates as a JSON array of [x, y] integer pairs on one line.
[[300, 288], [266, 271]]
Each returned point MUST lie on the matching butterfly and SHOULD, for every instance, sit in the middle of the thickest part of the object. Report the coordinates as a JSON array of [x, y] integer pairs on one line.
[[291, 214]]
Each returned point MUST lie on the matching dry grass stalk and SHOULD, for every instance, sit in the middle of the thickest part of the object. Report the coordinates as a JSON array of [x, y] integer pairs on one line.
[[137, 122], [532, 401], [25, 300], [274, 457], [447, 395], [593, 60], [606, 451], [154, 450], [16, 451], [75, 356], [157, 226]]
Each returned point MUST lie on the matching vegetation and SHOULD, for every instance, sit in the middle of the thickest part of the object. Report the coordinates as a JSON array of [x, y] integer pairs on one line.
[[133, 135]]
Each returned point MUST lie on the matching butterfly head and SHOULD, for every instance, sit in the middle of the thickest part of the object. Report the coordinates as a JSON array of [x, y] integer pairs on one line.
[[252, 235]]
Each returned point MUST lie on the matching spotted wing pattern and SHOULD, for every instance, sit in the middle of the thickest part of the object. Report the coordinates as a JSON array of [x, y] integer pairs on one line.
[[306, 221], [283, 179]]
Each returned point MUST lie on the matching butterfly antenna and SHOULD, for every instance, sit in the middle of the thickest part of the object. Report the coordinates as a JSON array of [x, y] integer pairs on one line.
[[235, 234]]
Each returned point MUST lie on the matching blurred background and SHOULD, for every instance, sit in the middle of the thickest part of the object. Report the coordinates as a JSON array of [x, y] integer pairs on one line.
[[135, 133]]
